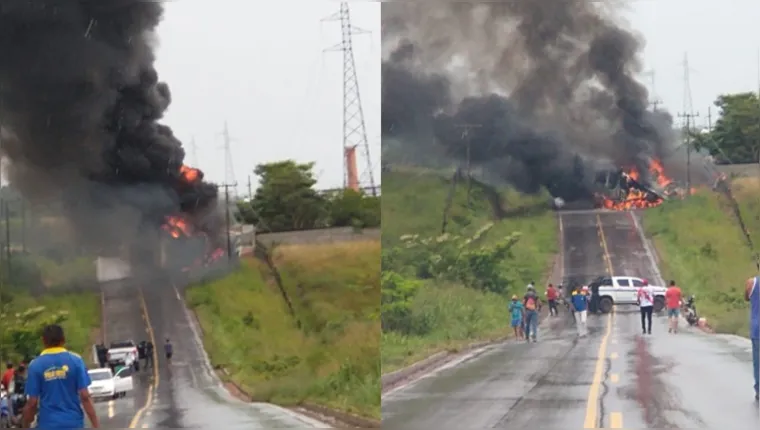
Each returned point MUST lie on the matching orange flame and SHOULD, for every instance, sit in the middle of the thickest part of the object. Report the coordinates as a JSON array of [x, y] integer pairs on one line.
[[639, 199], [177, 227], [189, 174]]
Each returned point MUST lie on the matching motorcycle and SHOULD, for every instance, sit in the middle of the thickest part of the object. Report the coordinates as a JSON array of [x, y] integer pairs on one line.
[[5, 410], [690, 311]]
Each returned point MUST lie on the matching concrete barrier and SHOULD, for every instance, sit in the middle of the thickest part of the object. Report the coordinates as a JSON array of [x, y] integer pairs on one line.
[[326, 235]]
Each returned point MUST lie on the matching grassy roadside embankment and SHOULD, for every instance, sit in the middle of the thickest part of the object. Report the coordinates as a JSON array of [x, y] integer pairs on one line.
[[701, 246], [81, 313], [440, 313], [332, 360]]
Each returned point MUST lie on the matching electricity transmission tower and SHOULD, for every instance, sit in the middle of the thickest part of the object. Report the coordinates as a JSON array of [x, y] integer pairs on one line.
[[354, 127], [688, 115], [654, 100]]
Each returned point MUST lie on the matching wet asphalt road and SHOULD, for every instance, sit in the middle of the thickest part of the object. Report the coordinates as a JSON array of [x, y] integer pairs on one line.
[[615, 378], [188, 394], [185, 394]]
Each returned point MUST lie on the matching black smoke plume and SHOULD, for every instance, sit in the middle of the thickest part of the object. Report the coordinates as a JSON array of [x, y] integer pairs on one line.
[[551, 86], [80, 105]]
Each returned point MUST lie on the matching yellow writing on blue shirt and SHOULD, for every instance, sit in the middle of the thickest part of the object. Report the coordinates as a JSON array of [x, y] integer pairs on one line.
[[56, 373]]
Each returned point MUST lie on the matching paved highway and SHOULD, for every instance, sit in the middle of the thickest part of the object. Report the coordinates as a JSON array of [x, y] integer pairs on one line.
[[187, 393], [615, 378]]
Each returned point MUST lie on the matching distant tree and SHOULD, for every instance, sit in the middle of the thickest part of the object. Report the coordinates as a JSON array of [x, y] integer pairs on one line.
[[735, 138], [354, 208], [286, 198]]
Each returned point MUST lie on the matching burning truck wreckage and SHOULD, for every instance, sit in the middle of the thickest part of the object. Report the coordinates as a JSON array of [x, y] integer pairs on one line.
[[540, 95], [80, 111]]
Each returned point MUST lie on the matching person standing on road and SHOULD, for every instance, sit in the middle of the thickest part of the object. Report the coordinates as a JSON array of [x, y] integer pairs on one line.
[[169, 350], [551, 298], [56, 384], [5, 382], [645, 298], [579, 300], [752, 295], [149, 354], [673, 297], [517, 312], [532, 306]]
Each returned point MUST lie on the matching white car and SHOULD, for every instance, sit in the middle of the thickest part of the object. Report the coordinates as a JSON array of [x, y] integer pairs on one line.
[[623, 290], [107, 385]]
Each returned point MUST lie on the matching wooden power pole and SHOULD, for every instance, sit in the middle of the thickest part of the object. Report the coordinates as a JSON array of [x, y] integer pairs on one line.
[[466, 138], [689, 118]]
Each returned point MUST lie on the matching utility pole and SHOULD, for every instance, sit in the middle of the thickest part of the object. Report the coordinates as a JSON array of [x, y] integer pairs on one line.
[[466, 138], [709, 118], [688, 117], [250, 189], [354, 126], [228, 218], [7, 210]]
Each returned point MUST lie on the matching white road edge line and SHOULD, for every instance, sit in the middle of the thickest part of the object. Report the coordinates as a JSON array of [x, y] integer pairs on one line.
[[438, 369], [311, 422]]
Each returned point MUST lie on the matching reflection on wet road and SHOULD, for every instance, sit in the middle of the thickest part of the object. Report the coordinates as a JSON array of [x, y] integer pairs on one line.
[[186, 394], [615, 378]]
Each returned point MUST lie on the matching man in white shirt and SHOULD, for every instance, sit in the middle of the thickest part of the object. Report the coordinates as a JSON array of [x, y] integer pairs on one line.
[[645, 296]]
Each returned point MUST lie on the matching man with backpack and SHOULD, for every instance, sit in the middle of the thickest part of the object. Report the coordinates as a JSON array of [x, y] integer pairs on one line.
[[579, 301], [532, 306]]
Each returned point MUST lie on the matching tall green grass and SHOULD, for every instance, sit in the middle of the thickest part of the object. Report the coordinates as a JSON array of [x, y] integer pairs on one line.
[[413, 204], [701, 247], [459, 316], [332, 360]]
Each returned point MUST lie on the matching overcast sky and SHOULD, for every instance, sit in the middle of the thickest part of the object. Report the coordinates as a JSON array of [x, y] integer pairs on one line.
[[720, 37], [261, 67]]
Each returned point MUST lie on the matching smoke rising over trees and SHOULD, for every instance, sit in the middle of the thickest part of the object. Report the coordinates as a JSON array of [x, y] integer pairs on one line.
[[80, 105], [550, 83]]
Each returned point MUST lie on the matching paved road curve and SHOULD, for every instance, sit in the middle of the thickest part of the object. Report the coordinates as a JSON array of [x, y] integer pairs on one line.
[[188, 394], [614, 378]]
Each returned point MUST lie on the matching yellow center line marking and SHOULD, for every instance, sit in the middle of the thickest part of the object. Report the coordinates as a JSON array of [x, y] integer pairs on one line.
[[592, 403], [154, 387], [614, 378], [110, 409], [616, 420]]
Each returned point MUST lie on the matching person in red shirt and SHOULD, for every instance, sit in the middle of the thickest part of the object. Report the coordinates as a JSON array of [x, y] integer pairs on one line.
[[551, 298], [7, 376], [673, 298]]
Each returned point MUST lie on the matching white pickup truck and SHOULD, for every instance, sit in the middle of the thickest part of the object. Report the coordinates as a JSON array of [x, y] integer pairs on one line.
[[123, 353], [623, 290]]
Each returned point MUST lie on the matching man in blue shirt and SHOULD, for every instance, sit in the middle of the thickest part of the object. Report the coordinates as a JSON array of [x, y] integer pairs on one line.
[[579, 301], [57, 384], [752, 295]]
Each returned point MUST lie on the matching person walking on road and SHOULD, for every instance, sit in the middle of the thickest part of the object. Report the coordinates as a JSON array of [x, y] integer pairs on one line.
[[57, 385], [148, 354], [169, 350], [645, 298], [5, 382], [673, 297], [579, 300], [532, 307], [551, 297], [517, 311], [752, 295]]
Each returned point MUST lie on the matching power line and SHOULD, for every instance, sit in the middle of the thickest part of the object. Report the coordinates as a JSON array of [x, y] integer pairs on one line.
[[354, 126]]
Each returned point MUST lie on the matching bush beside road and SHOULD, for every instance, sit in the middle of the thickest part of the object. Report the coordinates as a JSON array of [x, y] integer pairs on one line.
[[701, 246], [444, 292], [332, 360], [23, 316]]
